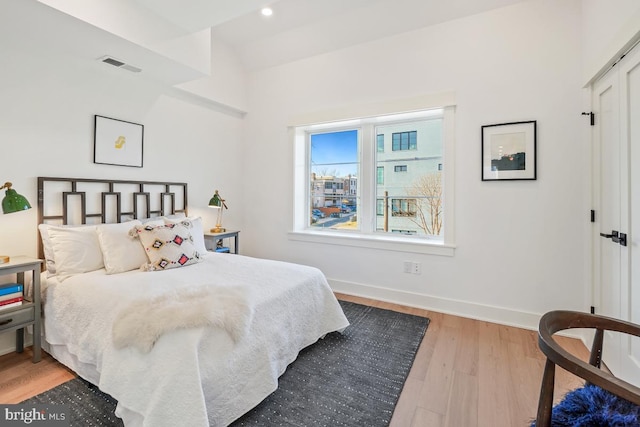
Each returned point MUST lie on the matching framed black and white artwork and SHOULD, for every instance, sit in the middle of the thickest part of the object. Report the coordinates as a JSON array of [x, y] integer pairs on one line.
[[509, 151]]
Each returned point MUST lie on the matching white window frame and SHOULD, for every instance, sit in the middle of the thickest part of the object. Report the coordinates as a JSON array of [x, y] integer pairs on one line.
[[367, 237]]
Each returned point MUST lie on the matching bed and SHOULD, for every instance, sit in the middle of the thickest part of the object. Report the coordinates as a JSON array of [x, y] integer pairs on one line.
[[195, 343]]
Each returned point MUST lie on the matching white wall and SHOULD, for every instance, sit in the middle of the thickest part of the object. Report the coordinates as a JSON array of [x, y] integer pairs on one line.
[[46, 129], [137, 23], [519, 244], [226, 84], [606, 27]]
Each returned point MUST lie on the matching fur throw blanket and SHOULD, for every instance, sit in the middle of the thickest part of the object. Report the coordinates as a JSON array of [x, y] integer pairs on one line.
[[143, 322]]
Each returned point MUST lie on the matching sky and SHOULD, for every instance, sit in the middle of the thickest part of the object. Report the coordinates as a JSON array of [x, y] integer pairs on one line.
[[335, 153]]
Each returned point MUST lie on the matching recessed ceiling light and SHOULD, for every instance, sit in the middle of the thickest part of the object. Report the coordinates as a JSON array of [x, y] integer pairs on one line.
[[266, 11]]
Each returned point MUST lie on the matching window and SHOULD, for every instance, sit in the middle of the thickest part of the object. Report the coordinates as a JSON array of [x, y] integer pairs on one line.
[[362, 201], [404, 141], [414, 197], [334, 166], [403, 207], [335, 186], [408, 201]]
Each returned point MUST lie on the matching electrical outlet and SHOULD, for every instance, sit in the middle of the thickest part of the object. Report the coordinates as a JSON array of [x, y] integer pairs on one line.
[[417, 268], [408, 267], [412, 267]]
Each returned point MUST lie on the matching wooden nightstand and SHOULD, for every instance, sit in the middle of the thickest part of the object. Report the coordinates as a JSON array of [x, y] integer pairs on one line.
[[17, 318], [219, 237]]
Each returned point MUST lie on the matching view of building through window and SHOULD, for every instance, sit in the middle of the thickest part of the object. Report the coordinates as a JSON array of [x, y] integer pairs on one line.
[[334, 179], [407, 176], [410, 193]]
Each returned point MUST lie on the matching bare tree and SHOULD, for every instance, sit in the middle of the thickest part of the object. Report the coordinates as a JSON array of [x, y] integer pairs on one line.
[[323, 172], [427, 189]]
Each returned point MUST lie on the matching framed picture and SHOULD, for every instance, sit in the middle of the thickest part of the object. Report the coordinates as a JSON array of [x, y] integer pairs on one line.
[[117, 142], [509, 151]]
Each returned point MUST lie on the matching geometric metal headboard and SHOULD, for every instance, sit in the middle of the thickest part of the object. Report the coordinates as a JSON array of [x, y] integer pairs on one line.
[[77, 200]]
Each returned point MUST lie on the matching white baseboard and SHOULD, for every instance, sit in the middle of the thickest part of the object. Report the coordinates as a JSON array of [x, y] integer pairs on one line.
[[6, 350], [493, 314]]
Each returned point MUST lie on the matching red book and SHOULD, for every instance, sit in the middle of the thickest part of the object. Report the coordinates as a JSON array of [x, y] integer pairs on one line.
[[10, 296], [13, 304], [10, 301]]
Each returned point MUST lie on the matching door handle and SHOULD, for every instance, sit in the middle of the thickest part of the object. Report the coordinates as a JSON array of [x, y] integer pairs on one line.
[[616, 237], [613, 236]]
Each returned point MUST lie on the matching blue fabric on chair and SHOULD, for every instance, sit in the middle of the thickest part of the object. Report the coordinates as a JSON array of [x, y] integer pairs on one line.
[[591, 406]]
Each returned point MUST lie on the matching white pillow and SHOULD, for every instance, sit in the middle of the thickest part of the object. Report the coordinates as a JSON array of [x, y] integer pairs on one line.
[[194, 224], [47, 246], [167, 246], [75, 249], [120, 251]]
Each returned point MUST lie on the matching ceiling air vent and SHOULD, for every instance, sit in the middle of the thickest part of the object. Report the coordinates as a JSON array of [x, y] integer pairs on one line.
[[117, 63]]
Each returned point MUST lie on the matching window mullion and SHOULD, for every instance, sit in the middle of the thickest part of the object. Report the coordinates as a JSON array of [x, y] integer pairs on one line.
[[367, 214]]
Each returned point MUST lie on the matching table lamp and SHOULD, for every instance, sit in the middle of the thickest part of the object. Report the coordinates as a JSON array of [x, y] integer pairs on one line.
[[12, 202], [217, 203]]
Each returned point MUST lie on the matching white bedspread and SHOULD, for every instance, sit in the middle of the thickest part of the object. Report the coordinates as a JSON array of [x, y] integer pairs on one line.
[[197, 376]]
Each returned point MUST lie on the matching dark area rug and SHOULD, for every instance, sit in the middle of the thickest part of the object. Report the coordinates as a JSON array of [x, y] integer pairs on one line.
[[352, 378], [88, 406]]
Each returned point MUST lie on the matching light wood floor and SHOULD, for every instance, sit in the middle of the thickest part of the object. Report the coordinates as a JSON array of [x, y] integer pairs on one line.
[[467, 373]]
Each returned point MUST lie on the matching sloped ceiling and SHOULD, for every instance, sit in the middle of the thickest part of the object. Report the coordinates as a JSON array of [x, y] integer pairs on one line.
[[171, 39], [304, 28]]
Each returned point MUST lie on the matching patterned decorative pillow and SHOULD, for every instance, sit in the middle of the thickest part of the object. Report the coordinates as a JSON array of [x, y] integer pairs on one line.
[[194, 224], [167, 246]]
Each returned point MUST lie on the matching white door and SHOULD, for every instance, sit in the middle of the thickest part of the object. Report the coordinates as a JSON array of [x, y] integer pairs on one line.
[[616, 104], [630, 86], [607, 267]]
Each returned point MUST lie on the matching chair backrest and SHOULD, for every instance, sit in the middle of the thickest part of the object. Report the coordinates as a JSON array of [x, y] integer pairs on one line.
[[555, 321]]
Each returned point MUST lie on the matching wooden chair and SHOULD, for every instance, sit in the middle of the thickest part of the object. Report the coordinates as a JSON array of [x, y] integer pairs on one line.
[[555, 321]]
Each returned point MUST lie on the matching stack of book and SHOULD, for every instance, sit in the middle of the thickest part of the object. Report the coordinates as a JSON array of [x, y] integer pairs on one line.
[[221, 248], [11, 295]]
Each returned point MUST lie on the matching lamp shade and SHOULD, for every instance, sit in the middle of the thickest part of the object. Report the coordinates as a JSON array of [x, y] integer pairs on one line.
[[13, 202], [215, 201]]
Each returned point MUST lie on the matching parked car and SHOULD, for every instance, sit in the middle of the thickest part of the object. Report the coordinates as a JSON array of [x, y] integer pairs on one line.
[[318, 213]]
